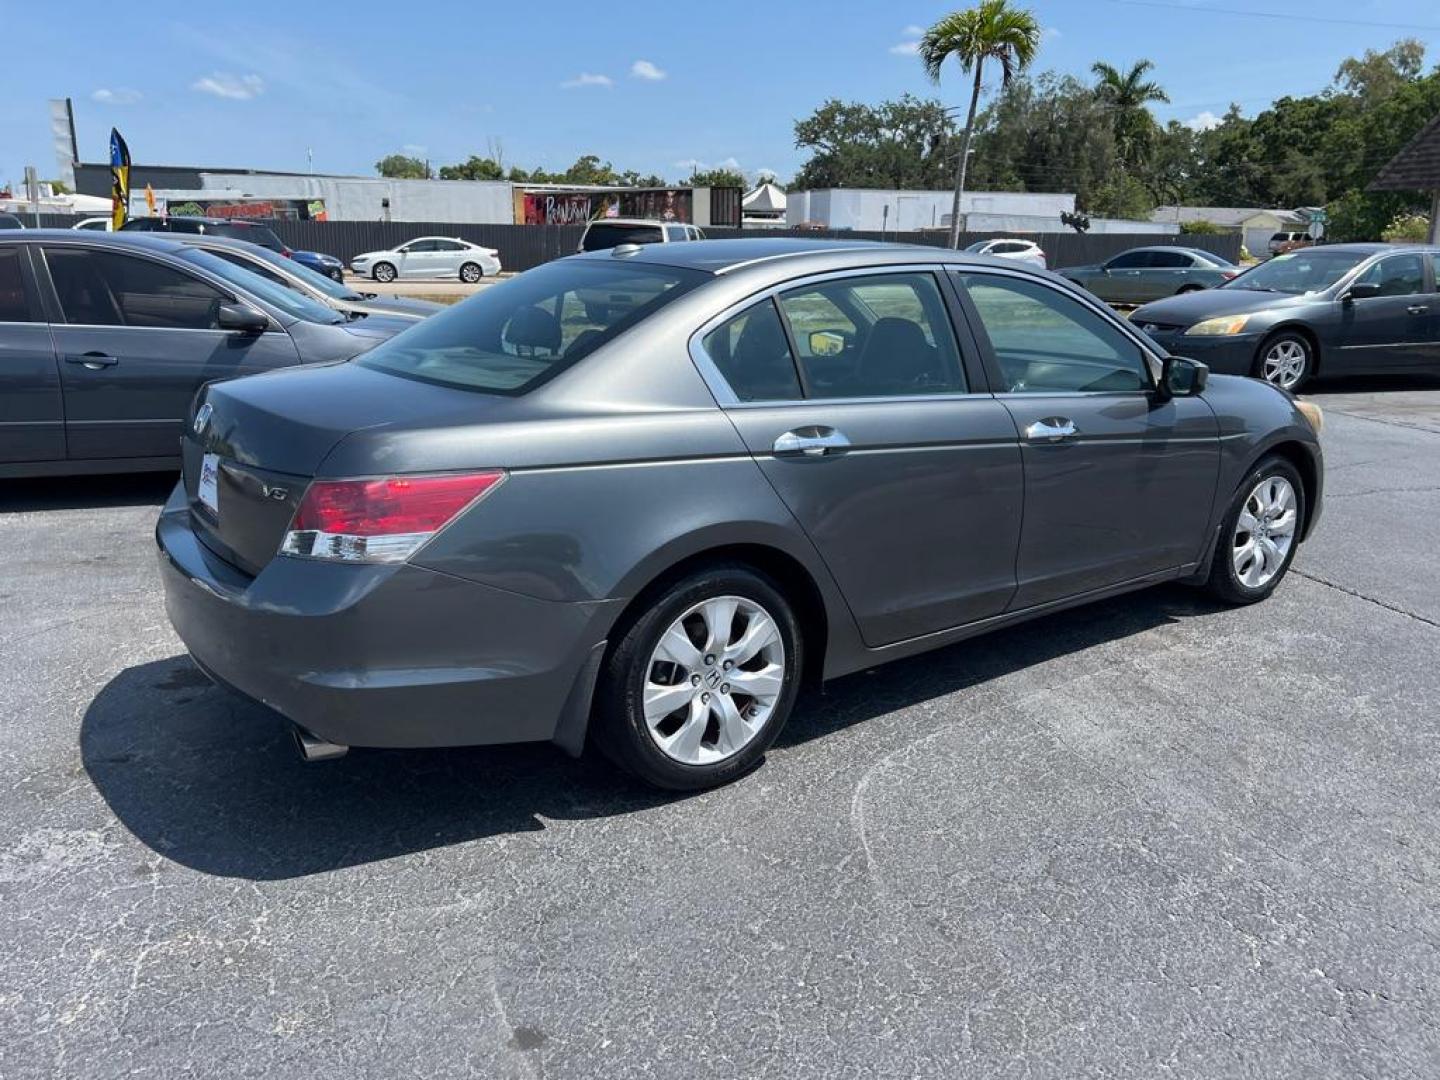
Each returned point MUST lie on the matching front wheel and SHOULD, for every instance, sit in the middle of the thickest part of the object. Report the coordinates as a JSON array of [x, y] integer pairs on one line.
[[699, 686], [1260, 533], [384, 273], [1287, 360], [470, 273]]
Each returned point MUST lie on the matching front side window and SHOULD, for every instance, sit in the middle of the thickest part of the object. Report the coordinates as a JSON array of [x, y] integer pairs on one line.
[[14, 298], [1131, 260], [1435, 270], [882, 336], [104, 288], [1399, 275], [514, 336], [1047, 342]]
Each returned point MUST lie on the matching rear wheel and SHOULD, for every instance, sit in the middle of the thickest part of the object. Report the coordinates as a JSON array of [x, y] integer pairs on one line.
[[383, 273], [1287, 360], [470, 273], [1260, 533], [700, 684]]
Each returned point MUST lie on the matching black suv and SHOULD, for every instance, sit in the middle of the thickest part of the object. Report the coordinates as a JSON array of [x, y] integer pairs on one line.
[[226, 227]]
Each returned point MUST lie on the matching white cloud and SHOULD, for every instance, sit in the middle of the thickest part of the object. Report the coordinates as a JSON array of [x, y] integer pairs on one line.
[[905, 48], [1050, 32], [690, 165], [1203, 121], [120, 95], [414, 149], [587, 79], [231, 87], [728, 163], [644, 69], [912, 31]]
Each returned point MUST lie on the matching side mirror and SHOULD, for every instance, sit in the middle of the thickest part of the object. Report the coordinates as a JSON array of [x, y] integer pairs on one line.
[[1362, 290], [242, 318], [1182, 377], [826, 343]]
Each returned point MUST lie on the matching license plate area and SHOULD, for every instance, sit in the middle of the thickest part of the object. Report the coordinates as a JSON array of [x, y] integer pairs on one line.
[[207, 489]]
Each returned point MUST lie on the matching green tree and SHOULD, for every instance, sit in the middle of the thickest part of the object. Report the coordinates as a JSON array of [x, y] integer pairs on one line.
[[401, 167], [895, 144], [717, 178], [474, 168], [1128, 95], [1376, 75], [992, 30]]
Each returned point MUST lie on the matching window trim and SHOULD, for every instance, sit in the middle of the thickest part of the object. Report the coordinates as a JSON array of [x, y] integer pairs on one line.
[[30, 286], [1153, 360], [726, 397]]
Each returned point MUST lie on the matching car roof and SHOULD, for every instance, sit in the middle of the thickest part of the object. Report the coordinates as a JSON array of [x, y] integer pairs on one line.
[[796, 254], [210, 240], [141, 241], [635, 221]]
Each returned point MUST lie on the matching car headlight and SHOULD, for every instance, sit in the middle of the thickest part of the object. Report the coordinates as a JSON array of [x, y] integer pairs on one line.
[[1219, 327], [1313, 416]]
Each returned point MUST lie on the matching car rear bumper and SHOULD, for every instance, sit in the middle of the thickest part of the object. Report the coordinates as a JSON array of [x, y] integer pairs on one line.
[[370, 655]]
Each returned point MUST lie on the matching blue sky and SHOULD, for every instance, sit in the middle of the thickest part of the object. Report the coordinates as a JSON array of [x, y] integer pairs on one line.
[[650, 86]]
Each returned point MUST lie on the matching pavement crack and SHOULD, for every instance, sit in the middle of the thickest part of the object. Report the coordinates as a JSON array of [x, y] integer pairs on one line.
[[1426, 620]]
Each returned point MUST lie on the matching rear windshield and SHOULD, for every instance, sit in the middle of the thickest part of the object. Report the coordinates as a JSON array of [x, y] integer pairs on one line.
[[255, 234], [601, 236], [514, 336]]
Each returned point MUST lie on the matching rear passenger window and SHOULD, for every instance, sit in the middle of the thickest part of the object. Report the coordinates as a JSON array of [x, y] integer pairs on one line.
[[882, 336], [14, 299], [101, 288], [1047, 342], [753, 356]]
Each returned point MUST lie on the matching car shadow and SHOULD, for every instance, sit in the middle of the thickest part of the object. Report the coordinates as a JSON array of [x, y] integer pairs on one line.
[[85, 492], [213, 782]]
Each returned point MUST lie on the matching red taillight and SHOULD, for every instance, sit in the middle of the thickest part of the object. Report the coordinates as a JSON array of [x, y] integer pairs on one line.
[[381, 520]]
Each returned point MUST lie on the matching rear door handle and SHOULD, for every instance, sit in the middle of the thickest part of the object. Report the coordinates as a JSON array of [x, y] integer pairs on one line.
[[94, 361], [810, 442], [1052, 429], [1418, 309]]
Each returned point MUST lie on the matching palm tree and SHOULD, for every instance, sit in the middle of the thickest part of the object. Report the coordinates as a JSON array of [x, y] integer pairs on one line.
[[992, 30], [1127, 95]]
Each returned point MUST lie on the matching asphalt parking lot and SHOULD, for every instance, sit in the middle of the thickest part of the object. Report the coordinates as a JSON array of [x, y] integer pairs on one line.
[[1149, 838]]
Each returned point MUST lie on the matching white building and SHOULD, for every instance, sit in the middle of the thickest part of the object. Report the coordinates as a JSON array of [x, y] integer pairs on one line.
[[1254, 224], [874, 210]]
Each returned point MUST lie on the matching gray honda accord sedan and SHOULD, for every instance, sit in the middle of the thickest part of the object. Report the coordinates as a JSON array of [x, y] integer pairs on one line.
[[647, 522]]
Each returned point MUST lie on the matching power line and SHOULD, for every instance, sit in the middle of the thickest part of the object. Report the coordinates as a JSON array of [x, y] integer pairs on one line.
[[1275, 15]]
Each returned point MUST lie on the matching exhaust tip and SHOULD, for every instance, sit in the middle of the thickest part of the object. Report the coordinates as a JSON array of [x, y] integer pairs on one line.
[[314, 748]]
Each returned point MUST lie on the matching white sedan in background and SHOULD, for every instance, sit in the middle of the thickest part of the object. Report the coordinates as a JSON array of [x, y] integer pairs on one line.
[[430, 257], [1026, 251]]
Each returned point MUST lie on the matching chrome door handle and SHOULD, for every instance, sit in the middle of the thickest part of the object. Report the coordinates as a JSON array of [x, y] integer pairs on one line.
[[810, 442], [1052, 429], [94, 361], [1418, 309]]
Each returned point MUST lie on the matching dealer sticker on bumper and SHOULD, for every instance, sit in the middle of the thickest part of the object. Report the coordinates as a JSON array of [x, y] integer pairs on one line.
[[209, 488]]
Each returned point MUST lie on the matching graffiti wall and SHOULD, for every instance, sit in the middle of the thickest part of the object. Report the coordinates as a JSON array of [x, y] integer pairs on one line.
[[578, 207]]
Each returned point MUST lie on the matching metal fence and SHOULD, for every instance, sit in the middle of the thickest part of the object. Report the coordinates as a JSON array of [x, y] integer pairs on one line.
[[524, 246]]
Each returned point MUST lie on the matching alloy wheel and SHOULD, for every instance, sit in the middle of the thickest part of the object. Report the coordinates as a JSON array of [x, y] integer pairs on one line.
[[713, 680], [470, 273], [1264, 532], [1285, 363]]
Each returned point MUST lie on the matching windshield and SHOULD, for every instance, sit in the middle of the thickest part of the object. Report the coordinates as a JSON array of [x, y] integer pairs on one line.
[[601, 236], [312, 278], [516, 335], [1306, 271], [287, 300]]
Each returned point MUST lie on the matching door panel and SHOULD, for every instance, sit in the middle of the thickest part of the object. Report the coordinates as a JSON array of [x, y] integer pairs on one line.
[[918, 519], [32, 419], [1129, 495], [1390, 332]]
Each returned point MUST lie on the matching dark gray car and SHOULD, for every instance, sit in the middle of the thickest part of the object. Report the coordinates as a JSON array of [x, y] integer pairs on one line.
[[1148, 273], [771, 462], [105, 337], [1345, 309], [293, 275]]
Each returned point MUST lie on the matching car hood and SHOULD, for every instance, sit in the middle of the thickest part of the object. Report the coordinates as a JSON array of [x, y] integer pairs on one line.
[[399, 306], [1193, 307]]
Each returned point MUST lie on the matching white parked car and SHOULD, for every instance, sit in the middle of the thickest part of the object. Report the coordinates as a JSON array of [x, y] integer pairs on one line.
[[430, 257], [602, 234], [94, 224], [1003, 248]]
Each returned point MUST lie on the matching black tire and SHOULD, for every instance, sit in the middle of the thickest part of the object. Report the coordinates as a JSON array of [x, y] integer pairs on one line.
[[1224, 581], [1280, 341], [383, 273], [476, 273], [619, 727]]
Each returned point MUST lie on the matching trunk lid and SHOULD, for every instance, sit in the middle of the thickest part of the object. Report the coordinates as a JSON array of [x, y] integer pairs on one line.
[[271, 433]]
